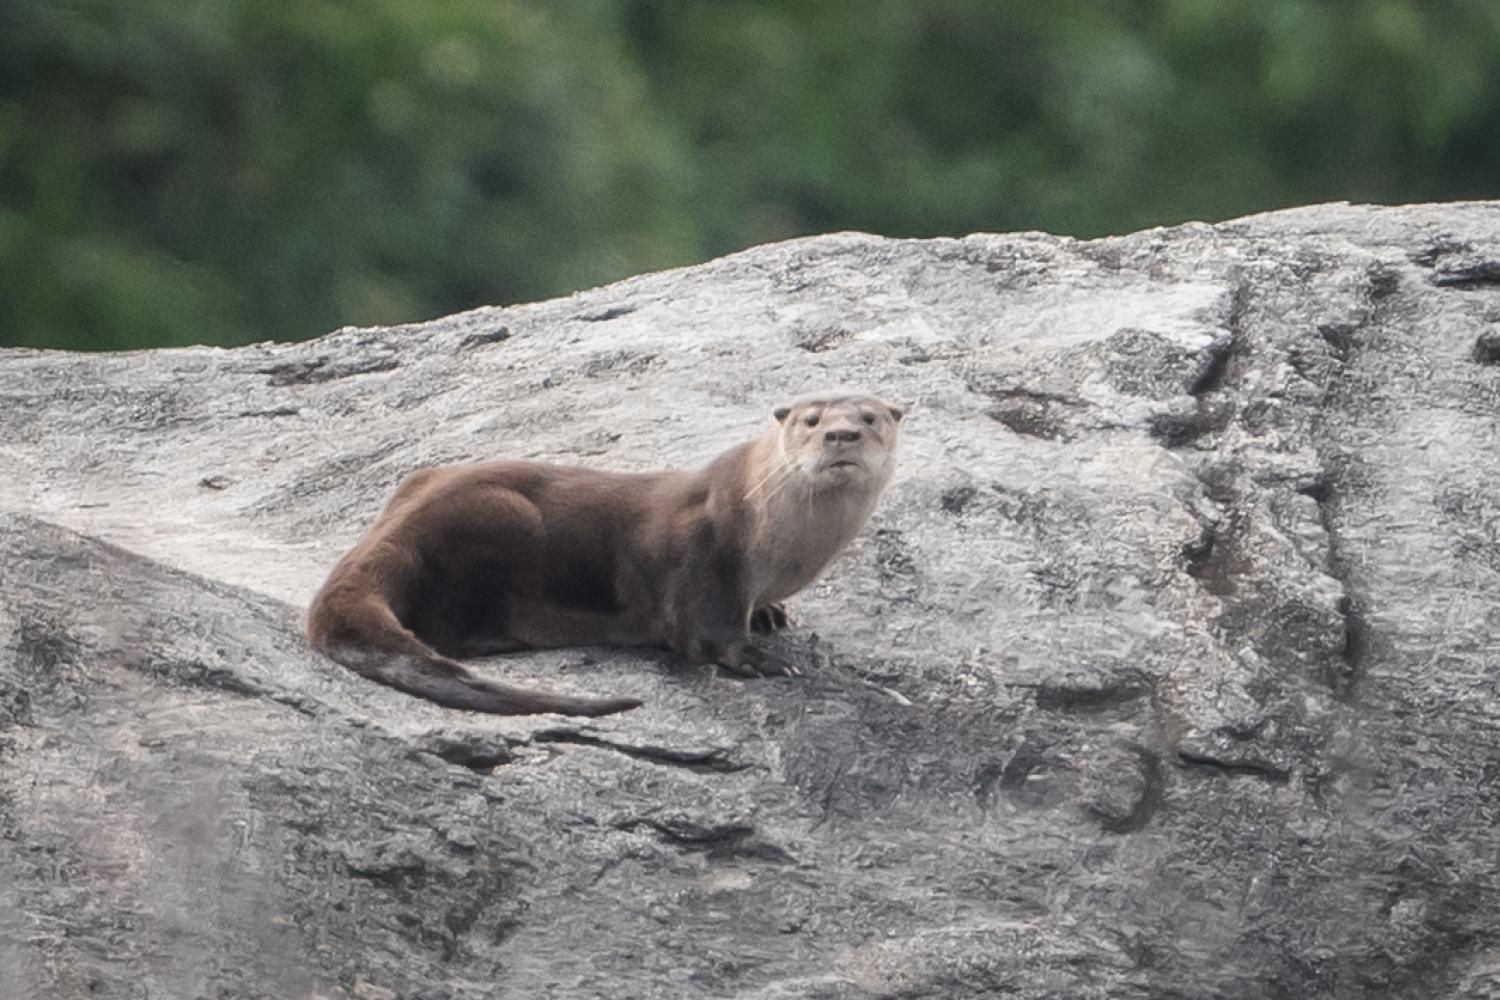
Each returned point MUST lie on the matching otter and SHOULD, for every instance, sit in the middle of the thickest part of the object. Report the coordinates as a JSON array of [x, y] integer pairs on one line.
[[503, 556]]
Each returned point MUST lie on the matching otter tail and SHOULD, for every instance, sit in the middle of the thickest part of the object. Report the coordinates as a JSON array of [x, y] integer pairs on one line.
[[376, 645]]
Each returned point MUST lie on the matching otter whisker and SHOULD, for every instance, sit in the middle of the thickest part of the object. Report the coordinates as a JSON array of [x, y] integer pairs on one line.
[[780, 467]]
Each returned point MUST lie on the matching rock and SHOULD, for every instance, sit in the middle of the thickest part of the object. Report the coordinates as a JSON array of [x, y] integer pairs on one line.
[[1167, 667]]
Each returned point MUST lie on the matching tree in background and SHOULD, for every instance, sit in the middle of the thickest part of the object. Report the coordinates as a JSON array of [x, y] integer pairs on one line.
[[232, 171], [227, 171], [1081, 118]]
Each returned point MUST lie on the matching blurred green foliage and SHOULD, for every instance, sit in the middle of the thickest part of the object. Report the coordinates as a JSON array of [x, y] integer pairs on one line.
[[225, 171]]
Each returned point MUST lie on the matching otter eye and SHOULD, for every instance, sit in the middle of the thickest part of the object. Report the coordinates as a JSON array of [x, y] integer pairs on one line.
[[811, 420], [869, 418]]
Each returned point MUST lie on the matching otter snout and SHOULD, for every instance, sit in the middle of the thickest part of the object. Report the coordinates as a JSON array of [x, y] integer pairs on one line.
[[841, 447]]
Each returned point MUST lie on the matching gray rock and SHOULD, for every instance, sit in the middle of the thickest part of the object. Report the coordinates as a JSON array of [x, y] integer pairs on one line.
[[1167, 668]]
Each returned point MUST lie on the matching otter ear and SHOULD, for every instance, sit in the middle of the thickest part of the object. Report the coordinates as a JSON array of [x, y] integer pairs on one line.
[[780, 413], [896, 412]]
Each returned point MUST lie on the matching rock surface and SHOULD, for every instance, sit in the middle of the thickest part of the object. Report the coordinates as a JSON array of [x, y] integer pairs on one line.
[[1167, 668]]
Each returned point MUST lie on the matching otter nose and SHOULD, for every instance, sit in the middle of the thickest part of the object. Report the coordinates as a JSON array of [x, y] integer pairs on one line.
[[841, 437]]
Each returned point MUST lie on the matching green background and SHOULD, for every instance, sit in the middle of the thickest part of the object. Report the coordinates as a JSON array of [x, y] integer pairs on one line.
[[230, 171]]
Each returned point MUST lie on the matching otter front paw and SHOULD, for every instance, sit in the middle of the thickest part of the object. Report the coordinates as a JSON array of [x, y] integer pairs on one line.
[[769, 618], [748, 661]]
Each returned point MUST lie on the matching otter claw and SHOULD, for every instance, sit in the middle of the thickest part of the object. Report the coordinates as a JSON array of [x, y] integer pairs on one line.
[[739, 669], [759, 663]]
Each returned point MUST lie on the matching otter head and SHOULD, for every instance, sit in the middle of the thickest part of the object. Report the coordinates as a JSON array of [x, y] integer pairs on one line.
[[840, 439]]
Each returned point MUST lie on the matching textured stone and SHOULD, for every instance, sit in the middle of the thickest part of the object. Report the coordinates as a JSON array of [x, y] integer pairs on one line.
[[1167, 668]]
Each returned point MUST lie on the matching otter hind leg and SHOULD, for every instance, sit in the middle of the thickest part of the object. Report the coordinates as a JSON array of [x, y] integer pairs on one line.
[[461, 630]]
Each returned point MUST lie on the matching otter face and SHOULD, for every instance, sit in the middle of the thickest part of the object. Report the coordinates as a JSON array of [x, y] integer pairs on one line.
[[836, 438]]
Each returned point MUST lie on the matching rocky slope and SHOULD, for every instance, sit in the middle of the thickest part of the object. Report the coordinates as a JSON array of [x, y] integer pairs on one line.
[[1167, 668]]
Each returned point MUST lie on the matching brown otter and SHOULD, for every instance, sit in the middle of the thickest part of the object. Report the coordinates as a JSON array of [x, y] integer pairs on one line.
[[503, 556]]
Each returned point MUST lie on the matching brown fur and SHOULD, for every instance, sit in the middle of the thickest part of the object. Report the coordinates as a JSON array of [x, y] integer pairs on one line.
[[503, 556]]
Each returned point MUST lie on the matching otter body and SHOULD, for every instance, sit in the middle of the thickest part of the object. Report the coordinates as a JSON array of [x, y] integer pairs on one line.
[[505, 556]]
